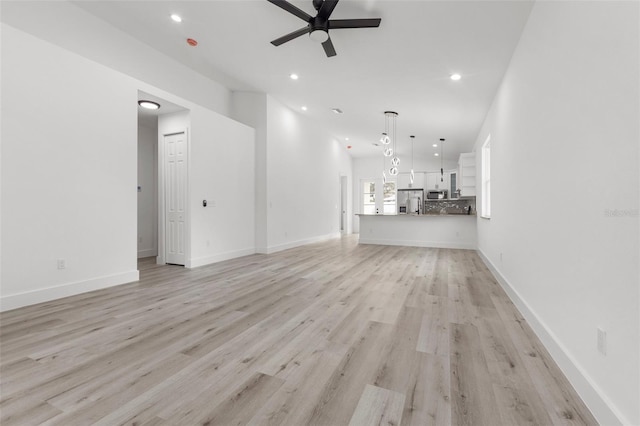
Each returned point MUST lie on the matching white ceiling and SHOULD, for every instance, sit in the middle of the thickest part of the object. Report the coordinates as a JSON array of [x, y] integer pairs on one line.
[[404, 65]]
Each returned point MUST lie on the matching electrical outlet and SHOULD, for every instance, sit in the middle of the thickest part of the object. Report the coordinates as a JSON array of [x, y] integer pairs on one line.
[[62, 264], [602, 341]]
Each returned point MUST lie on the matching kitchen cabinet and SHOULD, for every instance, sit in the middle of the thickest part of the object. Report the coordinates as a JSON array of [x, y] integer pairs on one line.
[[433, 181], [404, 182], [467, 174]]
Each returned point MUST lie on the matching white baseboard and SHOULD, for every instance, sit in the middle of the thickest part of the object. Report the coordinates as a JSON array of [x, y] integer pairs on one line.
[[409, 243], [19, 300], [147, 253], [601, 407], [298, 243], [207, 260]]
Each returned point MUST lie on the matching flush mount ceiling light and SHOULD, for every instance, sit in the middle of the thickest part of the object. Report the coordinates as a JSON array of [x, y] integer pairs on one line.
[[455, 77], [319, 36], [436, 154], [304, 108], [435, 145], [346, 139], [293, 76], [149, 104], [176, 18]]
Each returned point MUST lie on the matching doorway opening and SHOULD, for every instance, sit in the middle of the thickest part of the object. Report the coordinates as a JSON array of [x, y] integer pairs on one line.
[[163, 220]]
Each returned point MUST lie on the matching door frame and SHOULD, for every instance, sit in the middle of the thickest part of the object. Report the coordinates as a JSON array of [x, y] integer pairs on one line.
[[162, 253], [343, 204]]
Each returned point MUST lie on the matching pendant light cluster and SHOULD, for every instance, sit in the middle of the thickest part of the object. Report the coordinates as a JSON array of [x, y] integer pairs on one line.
[[389, 141]]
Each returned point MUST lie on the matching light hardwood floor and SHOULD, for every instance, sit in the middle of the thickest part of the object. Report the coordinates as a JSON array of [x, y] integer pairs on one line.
[[326, 334]]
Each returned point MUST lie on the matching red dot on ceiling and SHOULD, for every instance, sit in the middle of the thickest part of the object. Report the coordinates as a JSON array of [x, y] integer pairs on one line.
[[192, 42], [348, 146]]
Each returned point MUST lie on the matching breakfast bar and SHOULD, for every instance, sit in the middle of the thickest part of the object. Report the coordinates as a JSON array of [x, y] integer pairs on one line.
[[456, 231]]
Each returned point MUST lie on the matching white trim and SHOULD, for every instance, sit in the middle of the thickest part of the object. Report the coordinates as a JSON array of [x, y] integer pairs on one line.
[[19, 300], [411, 243], [147, 253], [207, 260], [298, 243], [601, 407]]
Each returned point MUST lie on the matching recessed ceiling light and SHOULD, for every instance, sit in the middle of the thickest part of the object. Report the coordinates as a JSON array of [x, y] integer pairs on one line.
[[176, 18], [346, 139], [294, 76], [149, 104], [455, 77], [436, 154], [435, 145], [304, 108], [337, 110]]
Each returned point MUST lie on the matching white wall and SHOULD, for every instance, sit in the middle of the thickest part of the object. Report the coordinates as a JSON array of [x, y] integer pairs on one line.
[[222, 171], [69, 26], [564, 151], [298, 169], [68, 172], [304, 165], [148, 183], [250, 108]]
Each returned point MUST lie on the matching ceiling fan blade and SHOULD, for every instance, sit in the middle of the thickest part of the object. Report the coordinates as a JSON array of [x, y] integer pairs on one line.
[[327, 8], [354, 23], [292, 9], [290, 36], [328, 48]]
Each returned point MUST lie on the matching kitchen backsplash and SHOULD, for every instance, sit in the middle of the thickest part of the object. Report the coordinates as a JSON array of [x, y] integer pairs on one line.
[[450, 206]]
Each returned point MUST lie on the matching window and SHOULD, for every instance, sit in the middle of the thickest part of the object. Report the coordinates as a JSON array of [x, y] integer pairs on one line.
[[369, 198], [486, 179], [389, 192]]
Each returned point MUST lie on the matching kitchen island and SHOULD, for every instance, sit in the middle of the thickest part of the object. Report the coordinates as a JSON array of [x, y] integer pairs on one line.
[[456, 231]]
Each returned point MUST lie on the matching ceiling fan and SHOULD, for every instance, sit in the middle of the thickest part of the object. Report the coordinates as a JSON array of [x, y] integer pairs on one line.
[[318, 26]]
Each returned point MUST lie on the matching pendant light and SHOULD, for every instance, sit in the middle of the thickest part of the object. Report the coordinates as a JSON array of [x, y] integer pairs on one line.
[[412, 175], [390, 133], [384, 173], [441, 160]]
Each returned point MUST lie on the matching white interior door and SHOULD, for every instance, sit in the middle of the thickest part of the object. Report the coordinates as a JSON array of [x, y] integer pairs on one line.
[[175, 146]]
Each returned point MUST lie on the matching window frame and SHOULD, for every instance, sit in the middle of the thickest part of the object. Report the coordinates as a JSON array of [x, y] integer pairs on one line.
[[485, 210]]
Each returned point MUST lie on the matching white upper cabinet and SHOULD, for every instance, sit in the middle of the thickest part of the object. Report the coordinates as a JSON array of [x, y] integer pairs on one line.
[[436, 181], [404, 182]]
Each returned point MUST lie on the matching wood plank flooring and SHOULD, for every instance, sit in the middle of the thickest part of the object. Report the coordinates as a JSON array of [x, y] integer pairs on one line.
[[327, 334]]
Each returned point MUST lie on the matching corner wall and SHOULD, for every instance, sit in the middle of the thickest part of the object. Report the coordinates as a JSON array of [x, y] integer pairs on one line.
[[298, 169], [69, 174], [304, 165], [564, 233]]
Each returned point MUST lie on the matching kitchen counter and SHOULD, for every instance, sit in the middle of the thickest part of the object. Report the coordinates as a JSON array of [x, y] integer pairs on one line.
[[417, 215], [452, 230]]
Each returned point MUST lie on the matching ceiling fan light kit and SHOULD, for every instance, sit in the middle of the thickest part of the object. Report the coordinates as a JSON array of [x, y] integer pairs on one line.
[[318, 26]]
